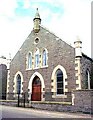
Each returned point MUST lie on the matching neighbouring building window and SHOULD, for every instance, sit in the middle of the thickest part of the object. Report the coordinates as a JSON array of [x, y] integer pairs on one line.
[[59, 82], [18, 84], [37, 58], [44, 57], [87, 82]]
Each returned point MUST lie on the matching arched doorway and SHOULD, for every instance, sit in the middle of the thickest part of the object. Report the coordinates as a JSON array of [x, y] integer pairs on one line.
[[36, 89], [33, 77]]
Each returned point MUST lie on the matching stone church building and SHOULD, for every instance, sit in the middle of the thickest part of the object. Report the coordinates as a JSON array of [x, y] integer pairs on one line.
[[46, 68]]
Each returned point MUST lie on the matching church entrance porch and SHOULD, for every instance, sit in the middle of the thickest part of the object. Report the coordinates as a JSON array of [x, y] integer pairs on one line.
[[36, 89]]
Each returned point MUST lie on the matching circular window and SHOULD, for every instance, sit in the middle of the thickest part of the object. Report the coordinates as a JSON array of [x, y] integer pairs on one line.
[[36, 40]]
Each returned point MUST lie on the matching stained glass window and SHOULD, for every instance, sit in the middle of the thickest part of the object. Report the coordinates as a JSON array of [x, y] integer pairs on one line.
[[29, 60], [44, 58], [37, 58]]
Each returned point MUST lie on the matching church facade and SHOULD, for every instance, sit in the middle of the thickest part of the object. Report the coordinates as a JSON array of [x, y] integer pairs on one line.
[[48, 69]]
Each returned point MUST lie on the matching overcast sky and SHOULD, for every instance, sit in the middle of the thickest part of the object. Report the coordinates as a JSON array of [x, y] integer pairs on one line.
[[66, 18]]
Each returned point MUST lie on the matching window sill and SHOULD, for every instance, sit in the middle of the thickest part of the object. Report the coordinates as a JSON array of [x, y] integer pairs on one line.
[[29, 69], [37, 67], [59, 96], [44, 66]]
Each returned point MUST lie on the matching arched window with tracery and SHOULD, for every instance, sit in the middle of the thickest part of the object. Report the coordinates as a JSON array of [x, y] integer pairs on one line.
[[59, 82], [29, 60], [18, 85], [44, 58], [37, 58]]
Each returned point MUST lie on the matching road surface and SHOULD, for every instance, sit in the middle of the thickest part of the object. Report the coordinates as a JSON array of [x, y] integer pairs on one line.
[[17, 112]]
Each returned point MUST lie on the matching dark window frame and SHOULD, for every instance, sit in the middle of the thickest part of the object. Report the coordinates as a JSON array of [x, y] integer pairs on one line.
[[59, 82]]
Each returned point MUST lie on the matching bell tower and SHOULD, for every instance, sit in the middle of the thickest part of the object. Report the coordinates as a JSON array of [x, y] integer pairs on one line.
[[37, 22]]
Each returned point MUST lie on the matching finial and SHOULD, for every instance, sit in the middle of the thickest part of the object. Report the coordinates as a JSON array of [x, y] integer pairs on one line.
[[37, 14], [37, 21], [78, 38], [78, 47]]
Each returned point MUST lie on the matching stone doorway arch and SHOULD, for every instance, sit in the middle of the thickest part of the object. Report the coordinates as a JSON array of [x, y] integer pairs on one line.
[[30, 86], [36, 89]]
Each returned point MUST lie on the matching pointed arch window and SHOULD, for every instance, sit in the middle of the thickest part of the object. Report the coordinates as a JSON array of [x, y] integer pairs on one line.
[[29, 60], [59, 82], [18, 89], [44, 57], [37, 58], [87, 82]]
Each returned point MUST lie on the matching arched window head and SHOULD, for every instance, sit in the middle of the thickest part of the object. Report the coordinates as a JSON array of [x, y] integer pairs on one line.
[[44, 57], [36, 81], [18, 89], [59, 82], [17, 85], [29, 60], [37, 58], [87, 82]]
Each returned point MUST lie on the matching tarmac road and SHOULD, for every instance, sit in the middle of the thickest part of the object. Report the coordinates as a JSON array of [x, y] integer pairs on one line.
[[17, 112]]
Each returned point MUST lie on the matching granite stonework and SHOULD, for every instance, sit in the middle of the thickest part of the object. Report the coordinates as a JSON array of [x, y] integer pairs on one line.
[[86, 64], [82, 103], [60, 55], [83, 100]]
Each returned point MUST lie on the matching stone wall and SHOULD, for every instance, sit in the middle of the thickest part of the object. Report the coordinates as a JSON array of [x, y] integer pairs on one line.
[[86, 64], [83, 100], [59, 53], [53, 106]]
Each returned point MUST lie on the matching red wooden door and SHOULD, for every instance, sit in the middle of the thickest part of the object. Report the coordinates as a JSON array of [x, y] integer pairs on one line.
[[36, 93], [36, 90]]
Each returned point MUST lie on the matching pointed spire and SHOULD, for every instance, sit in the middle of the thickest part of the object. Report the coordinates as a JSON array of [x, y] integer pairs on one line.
[[37, 21], [37, 14], [78, 38]]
